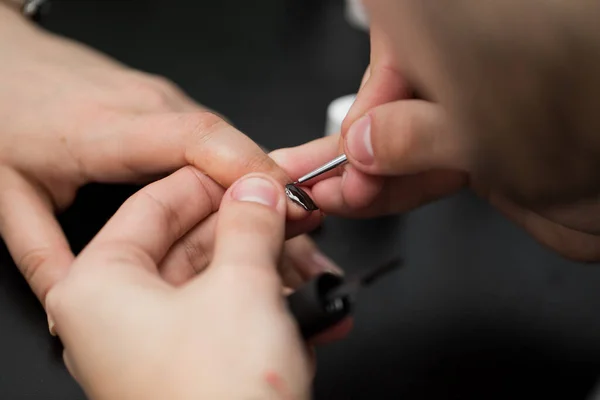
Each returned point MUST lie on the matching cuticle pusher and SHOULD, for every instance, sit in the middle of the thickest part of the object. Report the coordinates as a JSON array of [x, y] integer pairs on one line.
[[336, 162]]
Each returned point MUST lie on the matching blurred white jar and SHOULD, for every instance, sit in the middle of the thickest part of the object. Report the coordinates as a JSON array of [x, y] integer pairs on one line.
[[356, 14], [336, 112]]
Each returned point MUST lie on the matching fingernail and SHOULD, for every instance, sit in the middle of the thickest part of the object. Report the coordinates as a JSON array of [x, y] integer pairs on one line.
[[256, 190], [358, 141], [51, 326], [325, 264]]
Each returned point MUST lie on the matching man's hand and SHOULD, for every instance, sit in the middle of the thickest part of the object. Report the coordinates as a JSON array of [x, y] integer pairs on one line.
[[505, 131], [225, 334], [71, 116]]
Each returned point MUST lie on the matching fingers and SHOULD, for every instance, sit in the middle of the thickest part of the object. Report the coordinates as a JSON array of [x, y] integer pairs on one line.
[[250, 233], [412, 147], [148, 224], [349, 198], [404, 137], [32, 234], [297, 161], [126, 149], [194, 252]]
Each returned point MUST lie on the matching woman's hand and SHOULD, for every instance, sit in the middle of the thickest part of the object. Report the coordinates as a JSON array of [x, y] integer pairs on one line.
[[71, 116], [225, 334], [497, 129]]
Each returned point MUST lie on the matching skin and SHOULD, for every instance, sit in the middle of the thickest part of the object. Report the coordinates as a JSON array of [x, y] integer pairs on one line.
[[130, 335], [95, 120], [528, 143], [508, 92]]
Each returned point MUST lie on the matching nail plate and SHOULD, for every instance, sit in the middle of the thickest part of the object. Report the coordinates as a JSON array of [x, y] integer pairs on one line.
[[358, 141]]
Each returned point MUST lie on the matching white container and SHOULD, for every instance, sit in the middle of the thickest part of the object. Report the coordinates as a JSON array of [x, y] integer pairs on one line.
[[336, 112], [356, 14]]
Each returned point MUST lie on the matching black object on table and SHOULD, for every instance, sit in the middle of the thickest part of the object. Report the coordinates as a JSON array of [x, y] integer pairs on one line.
[[480, 311]]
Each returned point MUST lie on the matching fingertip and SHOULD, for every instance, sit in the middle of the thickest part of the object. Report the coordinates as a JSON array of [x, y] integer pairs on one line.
[[358, 144], [251, 220], [259, 189]]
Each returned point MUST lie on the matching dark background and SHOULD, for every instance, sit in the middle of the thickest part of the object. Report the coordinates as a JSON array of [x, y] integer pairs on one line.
[[480, 312]]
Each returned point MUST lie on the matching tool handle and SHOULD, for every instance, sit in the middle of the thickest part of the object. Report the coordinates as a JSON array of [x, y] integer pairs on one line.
[[314, 310]]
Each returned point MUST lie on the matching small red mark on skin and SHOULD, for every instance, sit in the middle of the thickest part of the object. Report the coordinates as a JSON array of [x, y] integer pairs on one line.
[[278, 384]]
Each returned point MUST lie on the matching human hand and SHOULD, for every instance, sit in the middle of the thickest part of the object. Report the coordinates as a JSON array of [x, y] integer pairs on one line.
[[71, 116], [225, 334], [405, 151], [350, 191]]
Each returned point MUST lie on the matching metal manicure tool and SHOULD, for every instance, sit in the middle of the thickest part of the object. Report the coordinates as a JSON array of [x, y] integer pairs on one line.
[[299, 196], [336, 162]]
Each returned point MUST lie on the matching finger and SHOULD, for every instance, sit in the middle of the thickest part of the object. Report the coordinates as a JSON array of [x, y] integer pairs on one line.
[[298, 161], [382, 83], [153, 219], [250, 233], [32, 234], [397, 194], [194, 251], [357, 194], [404, 137], [123, 149]]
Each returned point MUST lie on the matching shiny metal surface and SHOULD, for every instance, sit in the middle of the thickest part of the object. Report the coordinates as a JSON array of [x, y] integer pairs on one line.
[[336, 162]]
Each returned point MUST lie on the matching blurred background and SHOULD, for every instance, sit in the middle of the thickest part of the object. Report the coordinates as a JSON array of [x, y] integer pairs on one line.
[[480, 311]]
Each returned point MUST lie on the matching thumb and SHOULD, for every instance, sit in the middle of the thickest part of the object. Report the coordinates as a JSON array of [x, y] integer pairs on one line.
[[250, 234], [404, 137]]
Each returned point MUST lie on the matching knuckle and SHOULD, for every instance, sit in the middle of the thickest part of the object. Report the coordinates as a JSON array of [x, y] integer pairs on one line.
[[149, 92], [195, 254], [201, 127], [261, 162], [206, 188], [168, 217], [33, 261], [163, 83], [203, 123]]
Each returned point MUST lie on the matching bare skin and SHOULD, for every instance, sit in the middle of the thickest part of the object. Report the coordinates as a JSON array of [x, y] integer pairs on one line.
[[71, 116], [509, 107]]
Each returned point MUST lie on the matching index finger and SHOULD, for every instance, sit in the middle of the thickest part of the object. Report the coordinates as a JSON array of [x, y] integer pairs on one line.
[[152, 144]]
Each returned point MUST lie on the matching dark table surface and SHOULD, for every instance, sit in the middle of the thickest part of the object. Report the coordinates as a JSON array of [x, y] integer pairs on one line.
[[480, 312]]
